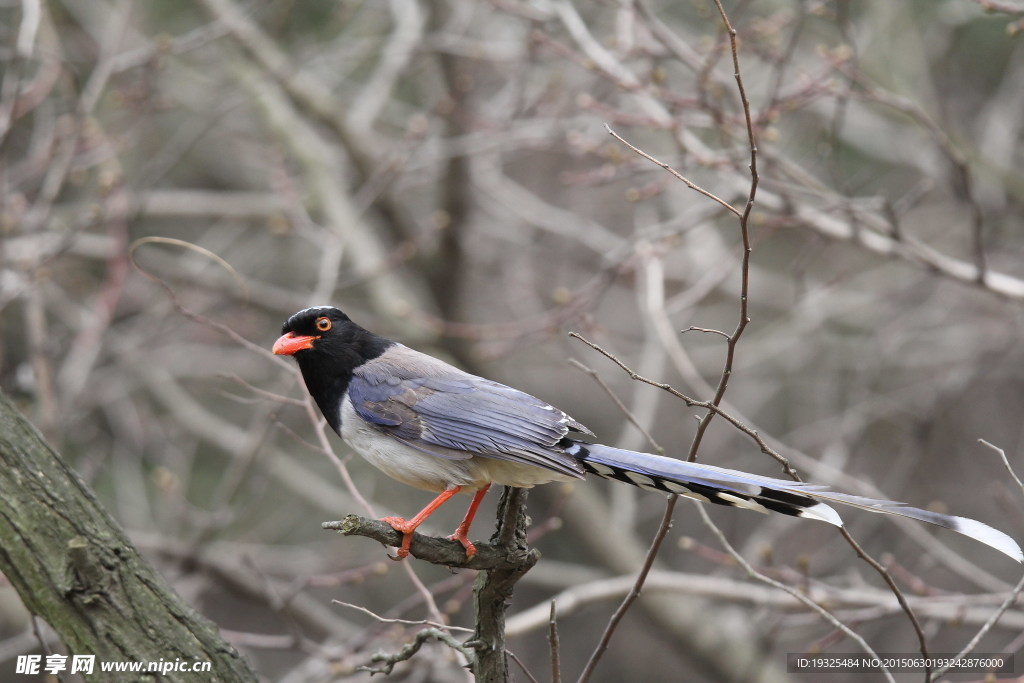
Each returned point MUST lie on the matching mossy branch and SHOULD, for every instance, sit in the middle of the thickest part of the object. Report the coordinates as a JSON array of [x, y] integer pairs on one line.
[[75, 568]]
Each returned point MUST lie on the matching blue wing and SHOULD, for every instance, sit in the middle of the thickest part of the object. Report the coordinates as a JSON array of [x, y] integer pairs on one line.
[[445, 412]]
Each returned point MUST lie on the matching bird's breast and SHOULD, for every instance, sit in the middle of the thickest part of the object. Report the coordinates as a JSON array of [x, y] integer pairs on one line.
[[401, 461]]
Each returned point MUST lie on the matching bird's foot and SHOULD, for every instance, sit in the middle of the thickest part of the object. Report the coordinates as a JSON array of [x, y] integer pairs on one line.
[[407, 527], [461, 537], [404, 527]]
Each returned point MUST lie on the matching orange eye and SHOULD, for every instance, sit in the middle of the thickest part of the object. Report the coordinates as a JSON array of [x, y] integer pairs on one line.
[[323, 324]]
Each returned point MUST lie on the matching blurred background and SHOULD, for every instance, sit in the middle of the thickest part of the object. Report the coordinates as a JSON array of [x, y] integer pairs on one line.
[[177, 178]]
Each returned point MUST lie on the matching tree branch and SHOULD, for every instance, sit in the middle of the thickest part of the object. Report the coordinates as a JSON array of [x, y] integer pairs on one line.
[[501, 562]]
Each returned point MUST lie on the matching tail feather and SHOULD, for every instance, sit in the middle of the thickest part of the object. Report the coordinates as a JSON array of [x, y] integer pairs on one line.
[[707, 483]]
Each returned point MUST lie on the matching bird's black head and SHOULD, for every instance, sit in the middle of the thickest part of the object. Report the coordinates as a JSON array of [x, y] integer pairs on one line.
[[328, 347]]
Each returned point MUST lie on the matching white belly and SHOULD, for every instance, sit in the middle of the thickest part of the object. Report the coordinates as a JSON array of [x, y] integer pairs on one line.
[[430, 472]]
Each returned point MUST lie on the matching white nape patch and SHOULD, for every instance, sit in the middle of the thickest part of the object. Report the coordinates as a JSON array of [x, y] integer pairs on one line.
[[743, 503], [311, 308], [641, 480], [603, 470]]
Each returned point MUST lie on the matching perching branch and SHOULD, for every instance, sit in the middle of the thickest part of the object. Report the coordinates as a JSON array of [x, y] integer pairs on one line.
[[501, 563], [432, 549]]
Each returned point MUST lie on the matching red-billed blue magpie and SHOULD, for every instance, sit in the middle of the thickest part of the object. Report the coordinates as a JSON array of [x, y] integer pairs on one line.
[[430, 425]]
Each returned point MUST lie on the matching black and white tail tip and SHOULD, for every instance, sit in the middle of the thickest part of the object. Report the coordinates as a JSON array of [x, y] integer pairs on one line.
[[710, 484]]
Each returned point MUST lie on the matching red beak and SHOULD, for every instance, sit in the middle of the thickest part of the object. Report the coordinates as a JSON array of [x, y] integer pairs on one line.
[[289, 343]]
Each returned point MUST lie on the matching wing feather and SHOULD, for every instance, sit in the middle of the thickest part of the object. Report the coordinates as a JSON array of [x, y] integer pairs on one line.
[[437, 408]]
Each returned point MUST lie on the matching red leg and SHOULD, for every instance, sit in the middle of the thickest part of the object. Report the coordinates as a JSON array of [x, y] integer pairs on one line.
[[407, 527], [462, 531]]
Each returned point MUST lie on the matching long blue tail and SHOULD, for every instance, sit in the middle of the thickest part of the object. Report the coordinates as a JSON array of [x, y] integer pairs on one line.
[[710, 484]]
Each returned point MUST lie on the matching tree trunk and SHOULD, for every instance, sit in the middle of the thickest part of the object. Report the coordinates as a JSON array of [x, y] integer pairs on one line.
[[74, 567], [492, 590]]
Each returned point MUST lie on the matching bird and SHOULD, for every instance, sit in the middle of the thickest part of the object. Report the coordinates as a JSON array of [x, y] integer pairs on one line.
[[435, 427]]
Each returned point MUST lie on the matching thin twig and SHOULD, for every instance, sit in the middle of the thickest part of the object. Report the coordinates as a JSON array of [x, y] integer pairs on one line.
[[1011, 599], [996, 616], [407, 622], [900, 597], [388, 662], [1006, 463], [634, 593], [694, 328], [733, 339], [522, 665], [618, 402], [695, 403], [744, 317], [679, 176], [799, 595], [864, 602], [766, 449], [556, 667]]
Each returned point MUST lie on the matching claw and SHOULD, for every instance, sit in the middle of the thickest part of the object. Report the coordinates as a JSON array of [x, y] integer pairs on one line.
[[461, 537], [405, 528]]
